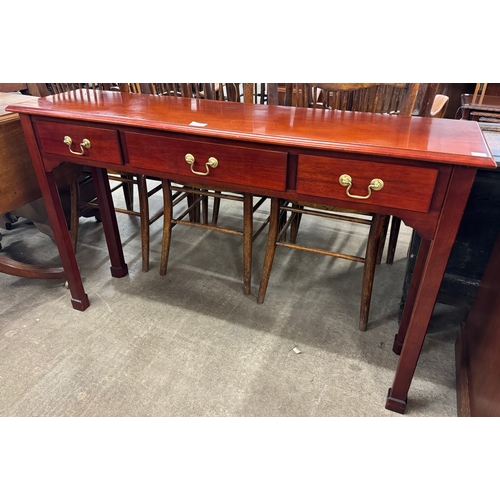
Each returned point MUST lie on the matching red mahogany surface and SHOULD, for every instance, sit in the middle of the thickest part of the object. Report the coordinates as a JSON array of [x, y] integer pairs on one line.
[[457, 142]]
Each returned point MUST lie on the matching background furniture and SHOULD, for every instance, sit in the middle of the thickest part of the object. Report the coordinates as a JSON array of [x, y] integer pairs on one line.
[[478, 348], [19, 185], [398, 98], [475, 238], [485, 110], [198, 196], [119, 180]]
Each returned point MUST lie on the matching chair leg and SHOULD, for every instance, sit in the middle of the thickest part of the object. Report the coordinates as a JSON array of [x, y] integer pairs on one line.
[[383, 237], [167, 226], [393, 239], [144, 217], [247, 241], [294, 226], [204, 207], [128, 192], [372, 247], [270, 248], [215, 211]]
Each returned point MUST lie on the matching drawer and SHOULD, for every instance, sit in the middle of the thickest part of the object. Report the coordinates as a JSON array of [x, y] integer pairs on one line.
[[104, 143], [249, 167], [405, 187]]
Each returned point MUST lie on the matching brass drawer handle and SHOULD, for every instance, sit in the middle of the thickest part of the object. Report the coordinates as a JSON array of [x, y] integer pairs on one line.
[[375, 185], [211, 163], [84, 144]]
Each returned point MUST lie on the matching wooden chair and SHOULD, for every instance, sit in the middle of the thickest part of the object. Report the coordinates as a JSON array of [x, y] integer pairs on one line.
[[121, 180], [363, 97], [198, 197], [439, 106]]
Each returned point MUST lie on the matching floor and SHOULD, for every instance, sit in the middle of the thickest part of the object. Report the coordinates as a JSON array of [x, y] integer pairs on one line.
[[191, 344]]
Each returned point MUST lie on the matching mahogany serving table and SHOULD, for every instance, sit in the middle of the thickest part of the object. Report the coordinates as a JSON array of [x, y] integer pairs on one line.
[[426, 166]]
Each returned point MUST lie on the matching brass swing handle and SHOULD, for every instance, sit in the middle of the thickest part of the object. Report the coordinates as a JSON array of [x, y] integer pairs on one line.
[[375, 185], [211, 163], [84, 144]]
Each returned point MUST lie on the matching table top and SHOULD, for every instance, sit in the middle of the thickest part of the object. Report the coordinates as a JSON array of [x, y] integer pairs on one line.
[[8, 98], [411, 138]]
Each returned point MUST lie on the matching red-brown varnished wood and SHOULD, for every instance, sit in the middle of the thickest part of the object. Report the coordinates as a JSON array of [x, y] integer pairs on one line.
[[109, 224], [410, 188], [407, 137], [412, 294], [432, 275], [104, 145], [48, 188], [249, 167], [23, 270]]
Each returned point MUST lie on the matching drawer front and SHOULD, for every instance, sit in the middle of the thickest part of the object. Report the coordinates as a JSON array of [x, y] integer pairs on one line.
[[405, 187], [236, 165], [104, 143]]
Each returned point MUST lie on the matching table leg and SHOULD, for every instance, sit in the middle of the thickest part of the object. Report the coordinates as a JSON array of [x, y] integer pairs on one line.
[[433, 269], [52, 200], [418, 270], [110, 226]]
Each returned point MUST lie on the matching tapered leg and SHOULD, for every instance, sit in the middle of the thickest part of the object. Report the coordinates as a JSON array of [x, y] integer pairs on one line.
[[418, 270], [270, 248], [372, 248], [79, 299], [50, 193], [167, 226], [74, 214], [418, 323], [110, 226], [428, 288]]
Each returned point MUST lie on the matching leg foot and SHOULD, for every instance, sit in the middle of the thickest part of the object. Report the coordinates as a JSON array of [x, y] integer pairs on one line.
[[397, 346], [393, 404], [119, 272], [80, 305]]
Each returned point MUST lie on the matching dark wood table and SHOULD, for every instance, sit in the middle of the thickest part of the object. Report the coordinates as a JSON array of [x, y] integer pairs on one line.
[[427, 167]]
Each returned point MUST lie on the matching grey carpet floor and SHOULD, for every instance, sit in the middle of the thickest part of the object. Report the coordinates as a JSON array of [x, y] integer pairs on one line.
[[191, 344]]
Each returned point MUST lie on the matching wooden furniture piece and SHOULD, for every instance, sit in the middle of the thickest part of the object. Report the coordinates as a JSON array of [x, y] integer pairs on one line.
[[439, 106], [199, 196], [478, 344], [485, 110], [119, 179], [427, 167], [478, 348], [19, 185], [350, 97], [475, 237]]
